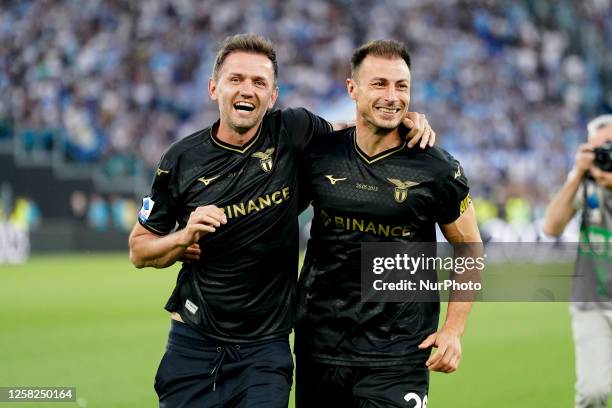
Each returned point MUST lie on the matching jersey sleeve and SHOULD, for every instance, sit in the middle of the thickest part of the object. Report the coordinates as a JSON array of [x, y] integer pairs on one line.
[[304, 126], [158, 213], [454, 197]]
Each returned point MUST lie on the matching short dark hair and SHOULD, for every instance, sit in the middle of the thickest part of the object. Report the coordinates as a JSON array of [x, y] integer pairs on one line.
[[247, 43], [379, 48]]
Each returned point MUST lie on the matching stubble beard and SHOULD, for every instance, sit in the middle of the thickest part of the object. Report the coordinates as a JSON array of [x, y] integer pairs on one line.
[[379, 127], [243, 126]]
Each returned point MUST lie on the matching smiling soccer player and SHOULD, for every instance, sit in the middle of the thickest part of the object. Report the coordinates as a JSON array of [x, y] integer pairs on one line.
[[352, 353]]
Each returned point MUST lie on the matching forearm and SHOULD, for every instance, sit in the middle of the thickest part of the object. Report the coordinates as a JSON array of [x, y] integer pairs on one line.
[[464, 235], [156, 252], [460, 300], [456, 316], [561, 208]]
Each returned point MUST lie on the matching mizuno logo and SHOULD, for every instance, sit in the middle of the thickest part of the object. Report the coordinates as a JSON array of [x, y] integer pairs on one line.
[[458, 171], [334, 180], [207, 181], [160, 171], [326, 218]]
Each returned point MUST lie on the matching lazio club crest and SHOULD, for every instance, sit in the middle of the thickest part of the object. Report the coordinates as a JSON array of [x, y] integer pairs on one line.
[[265, 159], [401, 189]]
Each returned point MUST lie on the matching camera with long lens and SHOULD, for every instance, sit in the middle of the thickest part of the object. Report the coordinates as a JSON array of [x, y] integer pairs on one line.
[[603, 156]]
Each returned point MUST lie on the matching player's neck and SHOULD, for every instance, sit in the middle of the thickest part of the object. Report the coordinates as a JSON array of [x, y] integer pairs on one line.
[[227, 134], [372, 142]]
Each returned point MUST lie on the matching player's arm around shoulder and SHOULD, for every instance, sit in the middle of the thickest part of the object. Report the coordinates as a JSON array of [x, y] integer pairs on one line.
[[149, 249], [464, 233]]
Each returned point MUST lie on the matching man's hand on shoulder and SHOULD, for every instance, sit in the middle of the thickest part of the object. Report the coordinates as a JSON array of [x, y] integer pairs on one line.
[[419, 130]]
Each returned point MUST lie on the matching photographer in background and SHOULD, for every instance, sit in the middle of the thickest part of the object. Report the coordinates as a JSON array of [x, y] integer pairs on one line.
[[588, 189]]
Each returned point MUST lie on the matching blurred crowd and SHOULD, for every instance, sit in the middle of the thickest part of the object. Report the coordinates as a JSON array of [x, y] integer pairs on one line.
[[508, 86], [104, 213]]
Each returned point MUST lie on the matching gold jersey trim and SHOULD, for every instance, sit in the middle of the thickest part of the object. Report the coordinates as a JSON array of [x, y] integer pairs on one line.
[[378, 156], [234, 148]]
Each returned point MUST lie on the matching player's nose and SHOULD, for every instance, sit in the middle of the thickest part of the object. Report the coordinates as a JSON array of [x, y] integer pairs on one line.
[[247, 89], [390, 95]]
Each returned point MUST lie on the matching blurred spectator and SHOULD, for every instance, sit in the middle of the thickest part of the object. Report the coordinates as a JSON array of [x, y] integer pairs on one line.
[[518, 212], [98, 214], [36, 135], [26, 214], [486, 210], [124, 213], [6, 128], [506, 85], [78, 204]]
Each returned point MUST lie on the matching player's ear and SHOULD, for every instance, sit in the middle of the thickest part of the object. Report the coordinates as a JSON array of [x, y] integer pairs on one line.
[[273, 98], [350, 87], [212, 89]]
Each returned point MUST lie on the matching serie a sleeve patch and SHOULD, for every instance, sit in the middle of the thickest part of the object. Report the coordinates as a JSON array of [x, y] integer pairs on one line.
[[145, 210]]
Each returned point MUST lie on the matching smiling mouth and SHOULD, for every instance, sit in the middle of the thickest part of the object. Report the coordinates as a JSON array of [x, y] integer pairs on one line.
[[244, 106], [385, 109]]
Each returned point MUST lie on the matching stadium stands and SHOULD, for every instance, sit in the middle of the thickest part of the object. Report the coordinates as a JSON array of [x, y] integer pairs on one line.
[[507, 85]]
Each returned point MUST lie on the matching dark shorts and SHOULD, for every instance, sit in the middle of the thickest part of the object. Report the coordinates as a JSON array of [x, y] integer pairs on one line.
[[199, 372], [320, 385]]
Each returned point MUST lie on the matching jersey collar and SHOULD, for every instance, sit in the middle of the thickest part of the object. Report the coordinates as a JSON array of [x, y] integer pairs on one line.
[[227, 146], [378, 156]]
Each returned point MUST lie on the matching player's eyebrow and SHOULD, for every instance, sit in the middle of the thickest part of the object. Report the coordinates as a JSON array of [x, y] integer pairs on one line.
[[253, 77], [386, 80], [259, 78]]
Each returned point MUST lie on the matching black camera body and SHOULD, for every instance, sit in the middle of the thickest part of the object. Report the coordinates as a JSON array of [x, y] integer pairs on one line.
[[603, 156]]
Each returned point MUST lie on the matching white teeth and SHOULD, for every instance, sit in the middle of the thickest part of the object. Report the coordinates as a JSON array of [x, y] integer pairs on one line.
[[388, 110], [245, 104]]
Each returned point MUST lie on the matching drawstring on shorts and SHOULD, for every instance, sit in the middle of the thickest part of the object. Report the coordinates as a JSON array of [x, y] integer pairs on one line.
[[229, 353]]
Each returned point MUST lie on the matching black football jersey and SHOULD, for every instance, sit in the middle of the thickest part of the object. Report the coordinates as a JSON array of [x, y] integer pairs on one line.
[[242, 288], [396, 196]]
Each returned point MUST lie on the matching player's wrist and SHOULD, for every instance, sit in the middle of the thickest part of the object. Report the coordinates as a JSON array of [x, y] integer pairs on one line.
[[454, 330], [183, 239]]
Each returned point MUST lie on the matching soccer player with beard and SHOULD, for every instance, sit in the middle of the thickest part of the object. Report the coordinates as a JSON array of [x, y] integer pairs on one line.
[[366, 187], [232, 190]]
